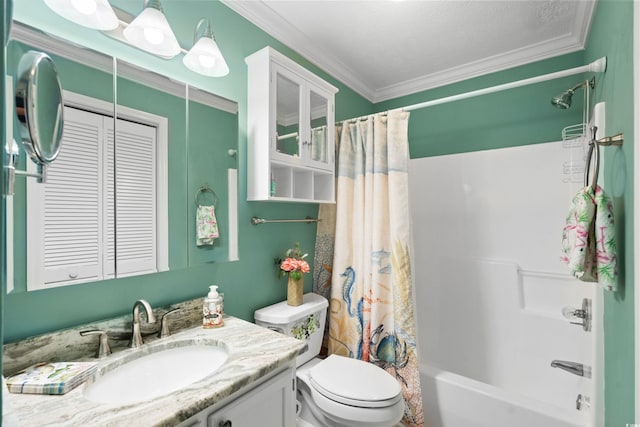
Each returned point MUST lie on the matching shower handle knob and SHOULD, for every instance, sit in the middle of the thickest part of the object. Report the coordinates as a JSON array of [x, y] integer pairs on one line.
[[570, 313], [582, 401], [583, 313]]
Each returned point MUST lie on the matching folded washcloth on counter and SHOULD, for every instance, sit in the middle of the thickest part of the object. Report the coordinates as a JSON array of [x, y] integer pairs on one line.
[[51, 378], [588, 239], [206, 225]]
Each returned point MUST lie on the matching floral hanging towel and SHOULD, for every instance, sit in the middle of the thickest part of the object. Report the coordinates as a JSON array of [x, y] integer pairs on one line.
[[206, 224], [605, 241], [588, 239], [577, 248]]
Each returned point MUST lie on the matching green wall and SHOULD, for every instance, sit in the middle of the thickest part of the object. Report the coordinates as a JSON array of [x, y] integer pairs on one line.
[[249, 283], [612, 35]]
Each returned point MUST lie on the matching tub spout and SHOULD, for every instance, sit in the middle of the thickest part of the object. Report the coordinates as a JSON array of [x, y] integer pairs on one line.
[[572, 367]]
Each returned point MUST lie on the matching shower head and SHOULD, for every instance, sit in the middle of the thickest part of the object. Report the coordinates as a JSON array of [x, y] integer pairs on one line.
[[563, 101]]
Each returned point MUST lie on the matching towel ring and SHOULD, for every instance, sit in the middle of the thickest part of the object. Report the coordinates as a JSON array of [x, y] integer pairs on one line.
[[205, 189]]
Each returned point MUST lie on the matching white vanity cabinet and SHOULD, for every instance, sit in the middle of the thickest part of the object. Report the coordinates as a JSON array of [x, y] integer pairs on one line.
[[291, 131], [270, 404]]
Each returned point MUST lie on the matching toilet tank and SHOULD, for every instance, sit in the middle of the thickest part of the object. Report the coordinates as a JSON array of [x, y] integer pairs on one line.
[[304, 322]]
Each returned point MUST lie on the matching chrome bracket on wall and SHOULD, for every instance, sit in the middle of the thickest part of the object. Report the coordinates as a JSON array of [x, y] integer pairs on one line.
[[39, 110], [13, 153]]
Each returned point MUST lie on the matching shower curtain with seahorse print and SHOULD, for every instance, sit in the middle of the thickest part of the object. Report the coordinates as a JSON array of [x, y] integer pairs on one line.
[[371, 312]]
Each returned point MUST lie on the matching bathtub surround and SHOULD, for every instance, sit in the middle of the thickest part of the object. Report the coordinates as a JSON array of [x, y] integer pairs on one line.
[[371, 316], [490, 321]]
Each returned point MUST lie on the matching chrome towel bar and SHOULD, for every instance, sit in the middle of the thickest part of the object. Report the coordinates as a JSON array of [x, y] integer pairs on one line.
[[308, 220]]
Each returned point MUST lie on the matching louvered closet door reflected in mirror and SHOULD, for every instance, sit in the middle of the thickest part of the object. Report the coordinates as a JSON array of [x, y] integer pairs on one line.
[[135, 199], [64, 218], [88, 193]]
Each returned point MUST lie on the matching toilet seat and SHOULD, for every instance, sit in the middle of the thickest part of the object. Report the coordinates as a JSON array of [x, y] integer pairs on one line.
[[354, 382]]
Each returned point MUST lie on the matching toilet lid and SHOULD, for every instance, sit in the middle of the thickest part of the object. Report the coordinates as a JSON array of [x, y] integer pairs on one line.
[[354, 382]]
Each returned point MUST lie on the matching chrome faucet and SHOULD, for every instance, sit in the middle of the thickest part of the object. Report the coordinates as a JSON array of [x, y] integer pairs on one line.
[[572, 367], [136, 336], [103, 350], [164, 324]]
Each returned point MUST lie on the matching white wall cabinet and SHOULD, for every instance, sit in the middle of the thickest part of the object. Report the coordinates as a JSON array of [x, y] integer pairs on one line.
[[291, 131], [271, 404]]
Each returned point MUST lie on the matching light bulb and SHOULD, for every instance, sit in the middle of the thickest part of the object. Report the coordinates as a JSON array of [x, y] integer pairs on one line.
[[153, 36], [207, 61], [86, 7]]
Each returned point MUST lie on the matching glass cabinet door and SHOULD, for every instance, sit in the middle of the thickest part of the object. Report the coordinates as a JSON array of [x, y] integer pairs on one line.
[[287, 138], [319, 143]]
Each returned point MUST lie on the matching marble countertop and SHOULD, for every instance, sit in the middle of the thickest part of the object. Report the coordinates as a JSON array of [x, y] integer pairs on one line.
[[255, 354]]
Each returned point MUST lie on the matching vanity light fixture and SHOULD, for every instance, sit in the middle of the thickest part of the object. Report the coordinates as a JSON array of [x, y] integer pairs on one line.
[[151, 32], [205, 57], [96, 14]]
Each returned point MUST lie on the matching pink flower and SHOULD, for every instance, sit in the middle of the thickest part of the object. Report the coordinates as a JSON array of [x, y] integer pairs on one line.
[[289, 264], [293, 264]]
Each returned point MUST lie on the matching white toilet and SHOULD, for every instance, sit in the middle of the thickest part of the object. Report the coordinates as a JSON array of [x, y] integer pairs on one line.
[[336, 391]]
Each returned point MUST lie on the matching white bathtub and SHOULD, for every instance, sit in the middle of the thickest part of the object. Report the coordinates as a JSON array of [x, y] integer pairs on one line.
[[486, 344], [451, 400]]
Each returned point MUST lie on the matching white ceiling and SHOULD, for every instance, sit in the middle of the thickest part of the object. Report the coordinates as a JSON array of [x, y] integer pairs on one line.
[[386, 49]]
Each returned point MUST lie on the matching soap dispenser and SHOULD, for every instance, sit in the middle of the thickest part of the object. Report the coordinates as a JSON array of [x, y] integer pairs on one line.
[[212, 309]]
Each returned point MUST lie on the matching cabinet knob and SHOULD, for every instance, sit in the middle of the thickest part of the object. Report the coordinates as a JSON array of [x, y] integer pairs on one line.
[[226, 423]]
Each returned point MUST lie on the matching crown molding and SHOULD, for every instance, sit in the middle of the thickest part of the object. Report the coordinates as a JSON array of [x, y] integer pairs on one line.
[[582, 25], [515, 58], [261, 15]]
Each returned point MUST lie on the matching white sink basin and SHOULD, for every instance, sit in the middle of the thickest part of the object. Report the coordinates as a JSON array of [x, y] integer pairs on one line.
[[156, 374]]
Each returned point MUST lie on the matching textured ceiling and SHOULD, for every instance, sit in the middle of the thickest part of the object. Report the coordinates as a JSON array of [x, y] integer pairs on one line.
[[386, 49]]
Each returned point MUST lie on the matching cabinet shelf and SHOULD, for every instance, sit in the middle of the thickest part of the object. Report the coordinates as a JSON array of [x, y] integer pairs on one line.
[[302, 184], [290, 119]]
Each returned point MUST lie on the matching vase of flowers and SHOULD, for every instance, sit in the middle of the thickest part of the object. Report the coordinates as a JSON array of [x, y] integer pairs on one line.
[[293, 266]]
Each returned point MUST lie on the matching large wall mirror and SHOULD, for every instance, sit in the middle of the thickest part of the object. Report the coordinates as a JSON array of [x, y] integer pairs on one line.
[[142, 155]]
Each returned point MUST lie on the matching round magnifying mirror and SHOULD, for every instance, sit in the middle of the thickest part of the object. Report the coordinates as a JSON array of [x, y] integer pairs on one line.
[[39, 106]]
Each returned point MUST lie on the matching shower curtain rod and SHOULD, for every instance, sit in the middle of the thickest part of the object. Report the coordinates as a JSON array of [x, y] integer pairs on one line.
[[597, 66]]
